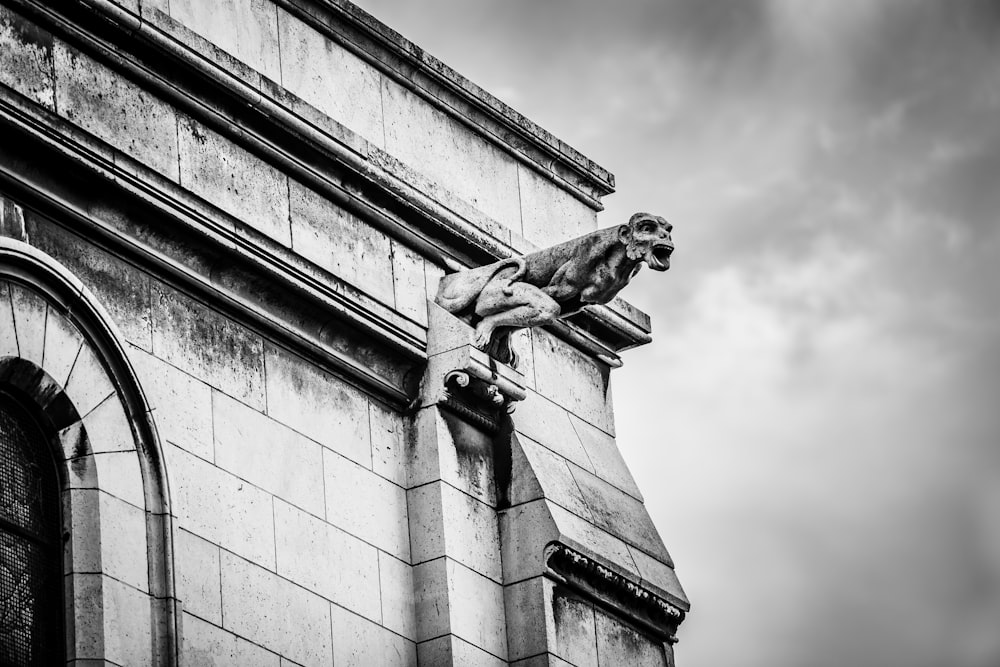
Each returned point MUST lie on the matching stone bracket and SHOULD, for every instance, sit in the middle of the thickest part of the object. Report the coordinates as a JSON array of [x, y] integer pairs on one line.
[[463, 378]]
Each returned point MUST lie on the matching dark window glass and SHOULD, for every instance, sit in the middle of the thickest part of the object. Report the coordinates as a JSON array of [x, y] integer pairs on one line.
[[31, 582]]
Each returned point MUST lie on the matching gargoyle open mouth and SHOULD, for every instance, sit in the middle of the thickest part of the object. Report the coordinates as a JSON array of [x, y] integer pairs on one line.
[[658, 257]]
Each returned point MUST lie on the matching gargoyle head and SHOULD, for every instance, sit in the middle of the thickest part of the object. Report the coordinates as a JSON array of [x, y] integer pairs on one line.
[[647, 237]]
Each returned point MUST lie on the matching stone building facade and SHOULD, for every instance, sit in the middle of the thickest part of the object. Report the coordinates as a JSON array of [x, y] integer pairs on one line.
[[222, 225]]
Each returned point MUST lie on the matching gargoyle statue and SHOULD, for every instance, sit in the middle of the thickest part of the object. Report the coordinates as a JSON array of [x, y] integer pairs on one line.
[[540, 287]]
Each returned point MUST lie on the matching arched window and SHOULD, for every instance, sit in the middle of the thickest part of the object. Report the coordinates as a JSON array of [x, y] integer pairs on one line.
[[31, 572]]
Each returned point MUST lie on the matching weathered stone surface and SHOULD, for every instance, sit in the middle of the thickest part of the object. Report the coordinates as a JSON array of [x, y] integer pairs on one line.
[[619, 644], [275, 613], [127, 638], [657, 575], [360, 643], [119, 476], [107, 425], [529, 617], [246, 29], [30, 311], [544, 660], [603, 452], [196, 567], [122, 538], [221, 508], [8, 335], [207, 644], [548, 424], [538, 472], [452, 598], [396, 582], [332, 79], [449, 449], [268, 454], [181, 405], [443, 149], [364, 504], [116, 110], [451, 650], [84, 515], [26, 58], [573, 380], [236, 181], [317, 404], [208, 345], [620, 514], [62, 344], [88, 617], [341, 243], [449, 522], [550, 214], [120, 287], [389, 448], [326, 560], [409, 282], [575, 637]]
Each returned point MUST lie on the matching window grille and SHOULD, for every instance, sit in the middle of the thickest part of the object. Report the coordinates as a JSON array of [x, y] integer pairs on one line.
[[31, 581]]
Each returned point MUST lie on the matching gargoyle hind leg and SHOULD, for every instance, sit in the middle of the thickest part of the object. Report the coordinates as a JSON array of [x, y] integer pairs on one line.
[[527, 306]]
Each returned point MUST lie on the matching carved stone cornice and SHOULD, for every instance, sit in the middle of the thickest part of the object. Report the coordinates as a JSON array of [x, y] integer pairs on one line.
[[589, 577]]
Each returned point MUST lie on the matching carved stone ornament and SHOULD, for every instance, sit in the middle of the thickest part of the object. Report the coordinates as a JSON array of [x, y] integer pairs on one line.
[[638, 604], [538, 288]]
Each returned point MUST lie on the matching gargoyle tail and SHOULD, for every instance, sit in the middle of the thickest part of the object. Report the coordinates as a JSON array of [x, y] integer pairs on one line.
[[514, 277]]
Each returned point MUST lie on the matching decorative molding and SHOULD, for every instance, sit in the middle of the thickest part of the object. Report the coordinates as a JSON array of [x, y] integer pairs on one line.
[[623, 595]]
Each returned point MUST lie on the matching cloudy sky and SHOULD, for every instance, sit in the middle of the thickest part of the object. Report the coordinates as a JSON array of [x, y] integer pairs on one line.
[[816, 426]]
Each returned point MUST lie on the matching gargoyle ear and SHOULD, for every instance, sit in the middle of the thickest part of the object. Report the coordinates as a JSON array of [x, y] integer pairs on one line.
[[624, 233]]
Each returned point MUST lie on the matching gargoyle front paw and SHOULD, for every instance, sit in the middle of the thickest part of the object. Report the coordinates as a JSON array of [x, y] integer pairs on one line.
[[481, 339]]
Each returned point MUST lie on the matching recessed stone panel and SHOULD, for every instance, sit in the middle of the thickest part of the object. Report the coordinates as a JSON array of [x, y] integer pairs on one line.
[[116, 110], [332, 79], [26, 58], [341, 243], [233, 179]]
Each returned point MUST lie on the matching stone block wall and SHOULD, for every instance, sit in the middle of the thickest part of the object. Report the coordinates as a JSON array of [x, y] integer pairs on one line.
[[262, 195]]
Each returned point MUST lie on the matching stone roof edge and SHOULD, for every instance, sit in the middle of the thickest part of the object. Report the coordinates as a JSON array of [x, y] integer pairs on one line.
[[413, 67]]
